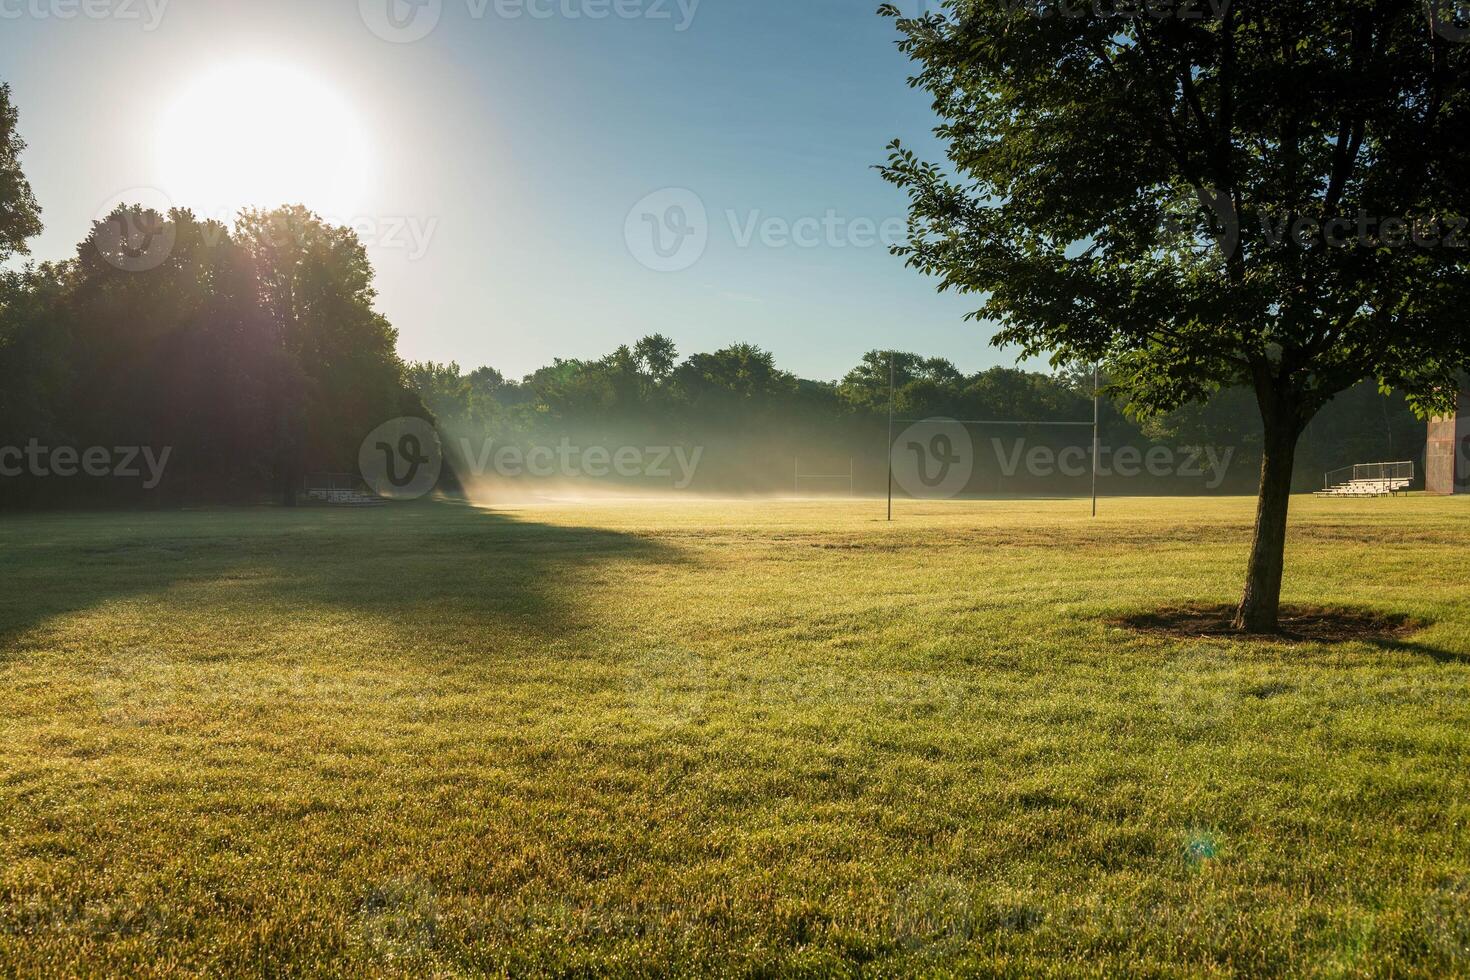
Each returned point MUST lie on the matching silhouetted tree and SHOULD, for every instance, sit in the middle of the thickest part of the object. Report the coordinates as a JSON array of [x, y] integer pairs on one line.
[[35, 333], [167, 346], [341, 376], [249, 356]]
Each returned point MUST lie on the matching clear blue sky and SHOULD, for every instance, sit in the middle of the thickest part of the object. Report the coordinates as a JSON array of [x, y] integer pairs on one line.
[[515, 140]]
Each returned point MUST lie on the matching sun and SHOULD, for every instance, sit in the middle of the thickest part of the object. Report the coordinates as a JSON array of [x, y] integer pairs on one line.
[[258, 134]]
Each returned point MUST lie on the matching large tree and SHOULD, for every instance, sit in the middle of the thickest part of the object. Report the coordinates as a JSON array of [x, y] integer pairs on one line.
[[657, 355], [25, 374], [167, 347], [341, 375], [20, 216], [1262, 192]]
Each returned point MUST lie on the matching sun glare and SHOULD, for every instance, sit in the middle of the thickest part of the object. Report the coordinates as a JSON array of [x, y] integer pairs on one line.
[[262, 135]]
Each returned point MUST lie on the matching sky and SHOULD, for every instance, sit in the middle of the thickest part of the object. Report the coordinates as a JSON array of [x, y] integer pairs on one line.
[[533, 178]]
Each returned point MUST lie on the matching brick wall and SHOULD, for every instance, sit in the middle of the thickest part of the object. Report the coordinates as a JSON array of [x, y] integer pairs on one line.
[[1447, 459]]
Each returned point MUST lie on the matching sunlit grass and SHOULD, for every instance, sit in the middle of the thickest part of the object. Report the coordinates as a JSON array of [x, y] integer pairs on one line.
[[715, 737]]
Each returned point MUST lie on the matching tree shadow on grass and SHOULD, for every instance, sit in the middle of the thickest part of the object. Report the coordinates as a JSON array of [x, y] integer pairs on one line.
[[1438, 654], [423, 568]]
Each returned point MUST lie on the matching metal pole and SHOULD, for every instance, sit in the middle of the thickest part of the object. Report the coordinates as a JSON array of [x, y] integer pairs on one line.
[[890, 436], [1096, 422]]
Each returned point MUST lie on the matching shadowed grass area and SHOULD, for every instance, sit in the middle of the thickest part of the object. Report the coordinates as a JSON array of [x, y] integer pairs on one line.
[[752, 737]]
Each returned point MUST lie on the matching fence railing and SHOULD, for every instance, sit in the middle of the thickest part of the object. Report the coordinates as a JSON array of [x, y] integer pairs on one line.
[[332, 481], [1370, 472]]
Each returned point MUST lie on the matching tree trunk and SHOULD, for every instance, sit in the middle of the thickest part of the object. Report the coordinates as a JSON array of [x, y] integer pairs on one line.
[[288, 488], [288, 467], [288, 453], [1260, 609]]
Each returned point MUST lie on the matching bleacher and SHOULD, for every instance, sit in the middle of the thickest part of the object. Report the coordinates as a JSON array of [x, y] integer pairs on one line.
[[1369, 480], [344, 498], [340, 490]]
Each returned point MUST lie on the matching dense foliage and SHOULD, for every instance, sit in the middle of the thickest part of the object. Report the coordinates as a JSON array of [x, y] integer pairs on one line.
[[250, 356], [20, 216], [1256, 193]]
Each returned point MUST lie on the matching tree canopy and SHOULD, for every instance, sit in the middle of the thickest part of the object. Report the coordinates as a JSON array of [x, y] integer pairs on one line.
[[20, 215]]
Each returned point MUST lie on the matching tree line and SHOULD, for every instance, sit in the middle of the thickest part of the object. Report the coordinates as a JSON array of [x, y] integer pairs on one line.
[[253, 356], [754, 420]]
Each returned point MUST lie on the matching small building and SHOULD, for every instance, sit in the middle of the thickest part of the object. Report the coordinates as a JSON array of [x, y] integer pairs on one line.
[[1447, 460]]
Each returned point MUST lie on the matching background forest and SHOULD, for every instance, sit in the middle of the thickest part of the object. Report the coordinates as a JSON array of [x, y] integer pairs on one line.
[[255, 355]]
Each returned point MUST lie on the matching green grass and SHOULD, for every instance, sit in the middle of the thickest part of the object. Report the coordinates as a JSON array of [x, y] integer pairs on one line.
[[751, 738]]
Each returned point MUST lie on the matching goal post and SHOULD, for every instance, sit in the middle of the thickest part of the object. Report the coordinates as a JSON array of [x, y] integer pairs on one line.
[[850, 478]]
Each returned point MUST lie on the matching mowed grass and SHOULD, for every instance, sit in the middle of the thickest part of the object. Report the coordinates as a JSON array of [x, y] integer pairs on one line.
[[749, 738]]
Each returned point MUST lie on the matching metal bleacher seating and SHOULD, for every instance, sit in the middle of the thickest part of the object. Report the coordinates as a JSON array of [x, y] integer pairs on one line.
[[340, 490], [1369, 480]]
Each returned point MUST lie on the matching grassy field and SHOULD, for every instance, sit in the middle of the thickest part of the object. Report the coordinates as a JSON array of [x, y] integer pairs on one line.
[[727, 738]]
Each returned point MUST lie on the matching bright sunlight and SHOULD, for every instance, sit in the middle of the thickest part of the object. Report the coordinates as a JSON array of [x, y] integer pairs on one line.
[[257, 134]]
